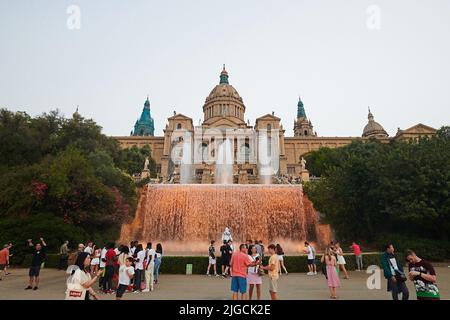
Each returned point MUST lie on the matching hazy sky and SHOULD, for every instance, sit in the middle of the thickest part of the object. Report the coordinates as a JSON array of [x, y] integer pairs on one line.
[[274, 50]]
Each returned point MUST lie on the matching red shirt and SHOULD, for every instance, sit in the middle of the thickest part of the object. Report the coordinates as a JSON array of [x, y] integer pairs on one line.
[[110, 255], [356, 249], [239, 263], [4, 255]]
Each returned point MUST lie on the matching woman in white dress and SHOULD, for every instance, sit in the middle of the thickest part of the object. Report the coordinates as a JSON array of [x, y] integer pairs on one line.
[[340, 259]]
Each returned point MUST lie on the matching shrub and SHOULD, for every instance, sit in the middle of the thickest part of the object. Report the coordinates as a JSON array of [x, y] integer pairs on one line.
[[432, 250], [53, 229]]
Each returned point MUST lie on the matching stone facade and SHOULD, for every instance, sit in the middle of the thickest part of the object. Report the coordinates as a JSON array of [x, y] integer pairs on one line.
[[223, 110]]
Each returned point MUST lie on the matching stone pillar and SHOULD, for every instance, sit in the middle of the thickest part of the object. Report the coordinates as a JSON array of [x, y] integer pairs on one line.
[[304, 174]]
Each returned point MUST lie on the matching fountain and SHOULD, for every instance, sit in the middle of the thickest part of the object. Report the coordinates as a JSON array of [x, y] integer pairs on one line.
[[224, 163], [186, 217], [186, 173]]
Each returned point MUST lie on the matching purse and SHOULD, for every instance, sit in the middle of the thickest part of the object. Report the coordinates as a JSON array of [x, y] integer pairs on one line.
[[399, 275]]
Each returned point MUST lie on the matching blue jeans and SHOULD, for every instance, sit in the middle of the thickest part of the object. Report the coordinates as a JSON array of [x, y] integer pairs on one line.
[[156, 271]]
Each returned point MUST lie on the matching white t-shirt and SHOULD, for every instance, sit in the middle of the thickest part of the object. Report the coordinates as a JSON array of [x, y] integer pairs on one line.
[[123, 276], [102, 256], [255, 268], [139, 265], [151, 253], [88, 250], [132, 249], [310, 253], [78, 278]]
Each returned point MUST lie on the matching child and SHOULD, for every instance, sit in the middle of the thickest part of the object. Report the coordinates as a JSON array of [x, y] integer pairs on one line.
[[332, 277], [126, 273], [212, 258]]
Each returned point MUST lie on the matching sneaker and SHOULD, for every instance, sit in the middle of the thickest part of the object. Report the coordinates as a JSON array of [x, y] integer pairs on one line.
[[146, 290], [310, 274], [29, 288], [208, 275], [35, 288], [136, 291], [217, 275], [315, 273]]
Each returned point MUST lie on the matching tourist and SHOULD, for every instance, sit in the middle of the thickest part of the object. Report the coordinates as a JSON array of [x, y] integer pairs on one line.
[[273, 269], [139, 257], [133, 245], [226, 236], [259, 249], [4, 259], [254, 278], [262, 249], [240, 261], [230, 246], [422, 274], [358, 255], [102, 266], [124, 254], [333, 281], [311, 252], [95, 262], [280, 254], [225, 258], [149, 268], [110, 263], [341, 259], [8, 246], [249, 245], [158, 261], [393, 272], [89, 248], [63, 256], [212, 259], [81, 280], [36, 261], [126, 272]]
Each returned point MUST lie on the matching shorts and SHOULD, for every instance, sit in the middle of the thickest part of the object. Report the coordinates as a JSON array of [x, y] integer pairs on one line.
[[280, 258], [225, 261], [121, 290], [95, 262], [212, 260], [2, 267], [239, 284], [273, 285], [34, 271], [311, 261]]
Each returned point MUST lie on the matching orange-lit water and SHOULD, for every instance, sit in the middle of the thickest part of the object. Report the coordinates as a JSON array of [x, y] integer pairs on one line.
[[186, 217]]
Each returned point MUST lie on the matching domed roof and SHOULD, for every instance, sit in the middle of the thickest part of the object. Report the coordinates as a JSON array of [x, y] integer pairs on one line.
[[373, 128], [224, 89]]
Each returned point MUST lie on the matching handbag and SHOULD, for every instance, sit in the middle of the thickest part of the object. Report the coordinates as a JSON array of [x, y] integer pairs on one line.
[[73, 293], [399, 275]]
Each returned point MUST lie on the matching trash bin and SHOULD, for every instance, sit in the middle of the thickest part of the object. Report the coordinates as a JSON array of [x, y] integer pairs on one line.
[[189, 268]]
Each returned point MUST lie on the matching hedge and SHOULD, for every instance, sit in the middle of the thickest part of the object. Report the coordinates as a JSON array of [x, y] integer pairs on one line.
[[177, 264]]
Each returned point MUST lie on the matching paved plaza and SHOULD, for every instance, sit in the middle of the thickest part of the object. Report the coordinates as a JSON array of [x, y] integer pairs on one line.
[[180, 287]]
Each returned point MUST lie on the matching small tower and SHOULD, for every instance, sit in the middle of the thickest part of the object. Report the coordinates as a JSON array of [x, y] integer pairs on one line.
[[302, 126], [144, 126]]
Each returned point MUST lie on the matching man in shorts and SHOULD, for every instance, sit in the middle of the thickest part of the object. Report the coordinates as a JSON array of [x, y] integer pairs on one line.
[[4, 259], [36, 262], [273, 268], [240, 261]]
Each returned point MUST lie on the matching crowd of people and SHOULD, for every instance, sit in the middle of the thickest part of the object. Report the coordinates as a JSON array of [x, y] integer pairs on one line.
[[120, 269], [116, 269]]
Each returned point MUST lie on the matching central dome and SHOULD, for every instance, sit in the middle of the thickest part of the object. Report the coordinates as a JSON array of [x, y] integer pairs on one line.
[[224, 102], [374, 129]]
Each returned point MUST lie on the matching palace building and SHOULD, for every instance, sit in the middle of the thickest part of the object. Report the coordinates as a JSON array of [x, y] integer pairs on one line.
[[224, 110]]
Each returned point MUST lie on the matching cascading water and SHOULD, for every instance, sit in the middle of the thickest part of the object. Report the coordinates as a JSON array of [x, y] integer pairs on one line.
[[189, 216], [186, 173], [224, 163]]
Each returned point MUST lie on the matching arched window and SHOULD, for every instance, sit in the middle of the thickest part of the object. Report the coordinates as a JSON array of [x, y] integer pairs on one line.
[[178, 126], [269, 127], [306, 132]]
